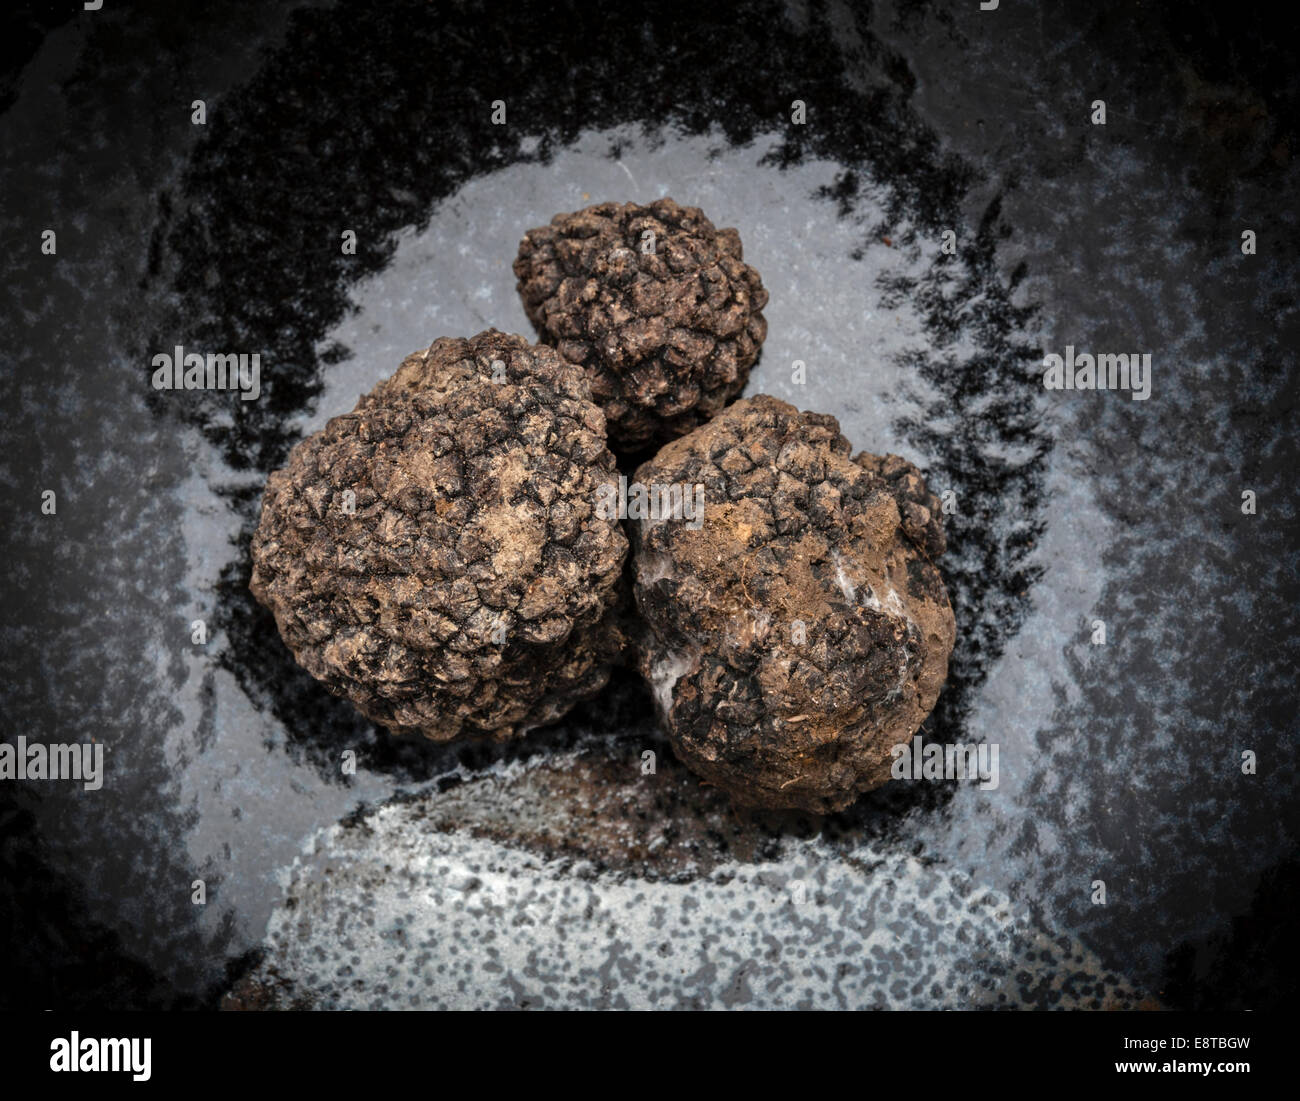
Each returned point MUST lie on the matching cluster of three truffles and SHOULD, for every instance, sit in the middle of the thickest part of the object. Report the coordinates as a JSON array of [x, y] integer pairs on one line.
[[443, 555]]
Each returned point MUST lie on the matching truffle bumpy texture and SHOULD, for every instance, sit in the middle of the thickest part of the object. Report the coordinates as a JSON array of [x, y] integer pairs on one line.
[[801, 631], [655, 302], [435, 555]]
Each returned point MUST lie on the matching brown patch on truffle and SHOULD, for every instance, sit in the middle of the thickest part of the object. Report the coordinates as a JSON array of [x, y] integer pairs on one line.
[[435, 555], [918, 507], [800, 633], [668, 333]]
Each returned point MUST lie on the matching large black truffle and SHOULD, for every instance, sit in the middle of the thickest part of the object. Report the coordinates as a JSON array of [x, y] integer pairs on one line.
[[797, 630], [655, 303], [435, 555]]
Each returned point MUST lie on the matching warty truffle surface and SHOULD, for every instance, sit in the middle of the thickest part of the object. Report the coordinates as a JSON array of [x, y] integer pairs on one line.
[[435, 555], [803, 630], [655, 302]]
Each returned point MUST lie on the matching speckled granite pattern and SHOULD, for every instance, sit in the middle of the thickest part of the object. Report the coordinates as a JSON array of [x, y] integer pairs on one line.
[[391, 913], [1118, 762]]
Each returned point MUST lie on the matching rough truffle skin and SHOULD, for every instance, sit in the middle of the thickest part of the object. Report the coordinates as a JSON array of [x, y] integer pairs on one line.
[[468, 591], [917, 506], [802, 630], [667, 336]]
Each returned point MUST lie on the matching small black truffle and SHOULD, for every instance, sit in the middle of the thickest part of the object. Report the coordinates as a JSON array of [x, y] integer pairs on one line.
[[436, 556], [655, 303]]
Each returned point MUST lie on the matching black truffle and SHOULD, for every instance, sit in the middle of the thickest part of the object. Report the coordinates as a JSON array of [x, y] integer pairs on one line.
[[800, 631], [655, 303], [435, 555]]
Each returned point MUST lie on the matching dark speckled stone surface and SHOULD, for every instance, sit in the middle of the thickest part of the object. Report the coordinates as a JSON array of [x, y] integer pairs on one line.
[[555, 872]]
